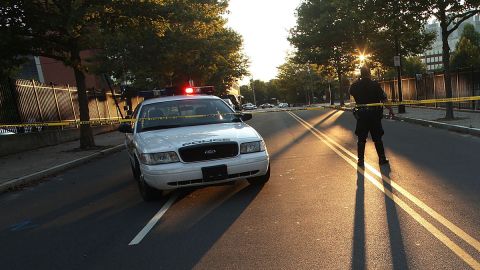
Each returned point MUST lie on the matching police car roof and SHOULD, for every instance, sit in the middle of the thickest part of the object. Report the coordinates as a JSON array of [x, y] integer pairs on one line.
[[175, 98]]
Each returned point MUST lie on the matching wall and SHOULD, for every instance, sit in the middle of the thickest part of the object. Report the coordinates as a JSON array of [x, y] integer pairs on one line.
[[10, 144]]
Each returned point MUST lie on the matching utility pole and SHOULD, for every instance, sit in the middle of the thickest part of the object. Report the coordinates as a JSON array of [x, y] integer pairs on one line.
[[252, 82], [398, 62]]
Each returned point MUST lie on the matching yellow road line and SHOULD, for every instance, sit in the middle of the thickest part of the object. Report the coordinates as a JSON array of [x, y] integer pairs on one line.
[[452, 227], [467, 258]]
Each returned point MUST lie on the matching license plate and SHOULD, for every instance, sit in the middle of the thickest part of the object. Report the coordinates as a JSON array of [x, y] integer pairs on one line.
[[215, 173]]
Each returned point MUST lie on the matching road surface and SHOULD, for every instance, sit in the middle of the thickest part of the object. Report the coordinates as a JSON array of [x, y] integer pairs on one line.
[[318, 211]]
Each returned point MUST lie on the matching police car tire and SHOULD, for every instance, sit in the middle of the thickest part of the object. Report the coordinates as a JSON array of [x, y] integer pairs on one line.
[[135, 170], [260, 180], [147, 192]]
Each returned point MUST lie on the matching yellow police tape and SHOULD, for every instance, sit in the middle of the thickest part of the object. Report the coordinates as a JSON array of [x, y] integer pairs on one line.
[[119, 121]]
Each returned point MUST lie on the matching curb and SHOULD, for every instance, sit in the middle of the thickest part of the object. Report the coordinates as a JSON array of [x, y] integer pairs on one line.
[[17, 182], [435, 124], [440, 125]]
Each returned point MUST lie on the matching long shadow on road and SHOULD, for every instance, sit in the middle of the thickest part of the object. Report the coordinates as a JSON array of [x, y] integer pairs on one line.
[[358, 246], [397, 247], [185, 249]]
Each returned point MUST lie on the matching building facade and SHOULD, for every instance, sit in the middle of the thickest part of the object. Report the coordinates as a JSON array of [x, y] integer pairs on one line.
[[51, 71], [433, 58]]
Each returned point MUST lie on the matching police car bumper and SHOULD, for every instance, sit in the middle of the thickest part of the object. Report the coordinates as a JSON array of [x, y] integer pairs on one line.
[[178, 175]]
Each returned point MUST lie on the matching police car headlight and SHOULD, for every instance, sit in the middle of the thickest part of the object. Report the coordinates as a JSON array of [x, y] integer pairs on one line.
[[159, 158], [252, 147]]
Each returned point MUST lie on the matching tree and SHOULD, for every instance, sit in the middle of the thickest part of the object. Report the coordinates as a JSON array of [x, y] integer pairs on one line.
[[61, 30], [196, 45], [413, 65], [467, 50], [451, 14], [300, 83], [324, 36]]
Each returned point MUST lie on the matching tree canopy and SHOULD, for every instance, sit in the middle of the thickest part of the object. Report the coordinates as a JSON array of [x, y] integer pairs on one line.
[[467, 50], [149, 43]]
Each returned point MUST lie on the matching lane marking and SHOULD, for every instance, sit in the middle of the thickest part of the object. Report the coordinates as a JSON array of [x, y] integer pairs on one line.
[[153, 221], [467, 258], [434, 214]]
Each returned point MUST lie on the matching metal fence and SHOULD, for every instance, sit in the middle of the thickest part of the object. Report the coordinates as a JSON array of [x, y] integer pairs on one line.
[[432, 86], [27, 101]]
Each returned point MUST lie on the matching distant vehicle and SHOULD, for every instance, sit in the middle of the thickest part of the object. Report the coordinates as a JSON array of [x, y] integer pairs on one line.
[[249, 106], [235, 99], [283, 105], [187, 151], [267, 105]]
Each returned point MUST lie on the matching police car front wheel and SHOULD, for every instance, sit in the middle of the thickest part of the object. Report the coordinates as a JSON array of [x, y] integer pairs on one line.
[[147, 192], [260, 180]]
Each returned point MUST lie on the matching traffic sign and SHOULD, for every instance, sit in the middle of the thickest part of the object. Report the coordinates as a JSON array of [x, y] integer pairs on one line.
[[396, 60]]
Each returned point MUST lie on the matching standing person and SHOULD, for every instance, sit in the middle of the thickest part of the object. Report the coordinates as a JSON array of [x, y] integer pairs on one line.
[[369, 119]]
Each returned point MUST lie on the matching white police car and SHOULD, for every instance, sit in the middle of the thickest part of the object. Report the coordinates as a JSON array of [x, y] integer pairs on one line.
[[186, 141]]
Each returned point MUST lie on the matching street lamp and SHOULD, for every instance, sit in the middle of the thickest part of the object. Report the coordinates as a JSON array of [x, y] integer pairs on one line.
[[252, 82]]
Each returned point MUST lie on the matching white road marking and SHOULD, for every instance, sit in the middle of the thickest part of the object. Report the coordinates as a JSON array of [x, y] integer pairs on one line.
[[467, 258], [153, 221]]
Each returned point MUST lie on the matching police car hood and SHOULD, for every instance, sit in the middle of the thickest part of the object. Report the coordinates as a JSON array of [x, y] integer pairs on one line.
[[171, 139]]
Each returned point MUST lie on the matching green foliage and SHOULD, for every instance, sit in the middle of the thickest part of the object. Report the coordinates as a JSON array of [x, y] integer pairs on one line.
[[392, 27], [413, 65], [323, 35], [190, 41], [451, 14], [303, 83], [467, 51]]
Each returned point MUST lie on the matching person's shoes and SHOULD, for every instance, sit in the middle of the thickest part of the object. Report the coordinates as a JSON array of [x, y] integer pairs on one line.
[[383, 161], [361, 163], [361, 154]]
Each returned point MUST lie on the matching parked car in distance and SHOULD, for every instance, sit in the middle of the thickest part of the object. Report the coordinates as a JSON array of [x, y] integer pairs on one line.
[[267, 105], [249, 106], [283, 105]]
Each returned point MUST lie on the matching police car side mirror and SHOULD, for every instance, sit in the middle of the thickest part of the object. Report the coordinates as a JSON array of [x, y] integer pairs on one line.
[[246, 116], [125, 128]]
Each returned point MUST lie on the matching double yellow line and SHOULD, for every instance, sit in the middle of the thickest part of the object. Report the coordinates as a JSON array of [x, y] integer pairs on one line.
[[378, 179]]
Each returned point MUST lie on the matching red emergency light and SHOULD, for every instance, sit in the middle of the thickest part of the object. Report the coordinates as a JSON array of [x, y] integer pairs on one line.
[[189, 90]]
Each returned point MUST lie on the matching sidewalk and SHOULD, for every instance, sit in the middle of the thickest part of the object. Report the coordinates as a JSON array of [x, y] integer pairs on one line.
[[464, 119], [33, 165]]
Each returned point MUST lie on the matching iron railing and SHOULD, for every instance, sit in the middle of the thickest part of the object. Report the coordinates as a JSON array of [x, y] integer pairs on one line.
[[465, 83], [27, 101]]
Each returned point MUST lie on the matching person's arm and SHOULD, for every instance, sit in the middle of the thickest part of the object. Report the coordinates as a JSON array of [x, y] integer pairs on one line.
[[384, 99]]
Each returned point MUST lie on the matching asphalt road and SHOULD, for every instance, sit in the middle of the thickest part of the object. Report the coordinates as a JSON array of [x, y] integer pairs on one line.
[[318, 211]]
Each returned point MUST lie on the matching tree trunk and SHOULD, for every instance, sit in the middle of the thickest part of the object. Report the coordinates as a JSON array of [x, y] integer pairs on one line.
[[86, 135], [340, 88], [446, 68]]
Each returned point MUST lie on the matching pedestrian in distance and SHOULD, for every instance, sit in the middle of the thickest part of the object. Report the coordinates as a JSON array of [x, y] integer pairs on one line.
[[369, 118]]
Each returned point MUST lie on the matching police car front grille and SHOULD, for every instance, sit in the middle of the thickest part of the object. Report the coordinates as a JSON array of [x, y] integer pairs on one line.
[[208, 151], [200, 181]]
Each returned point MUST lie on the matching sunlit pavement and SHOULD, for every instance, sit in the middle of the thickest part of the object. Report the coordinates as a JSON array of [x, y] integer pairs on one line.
[[318, 211]]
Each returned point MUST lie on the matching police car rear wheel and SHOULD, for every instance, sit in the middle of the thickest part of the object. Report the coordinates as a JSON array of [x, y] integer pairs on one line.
[[260, 180], [147, 192]]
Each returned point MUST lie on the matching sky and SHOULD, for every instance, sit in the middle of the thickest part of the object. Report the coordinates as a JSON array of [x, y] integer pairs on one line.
[[264, 25]]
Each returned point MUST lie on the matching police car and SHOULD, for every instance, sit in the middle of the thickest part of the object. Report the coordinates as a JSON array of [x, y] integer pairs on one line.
[[192, 140]]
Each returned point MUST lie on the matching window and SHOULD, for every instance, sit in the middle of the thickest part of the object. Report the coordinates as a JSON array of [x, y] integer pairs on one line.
[[181, 113]]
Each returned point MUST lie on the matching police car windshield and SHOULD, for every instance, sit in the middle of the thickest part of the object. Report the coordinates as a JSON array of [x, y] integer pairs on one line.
[[181, 113]]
